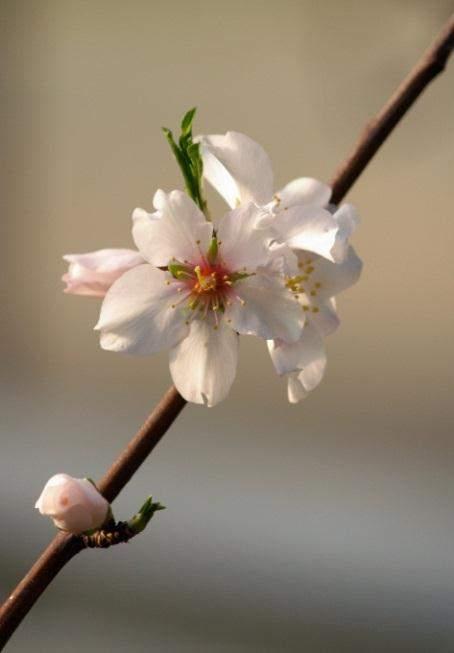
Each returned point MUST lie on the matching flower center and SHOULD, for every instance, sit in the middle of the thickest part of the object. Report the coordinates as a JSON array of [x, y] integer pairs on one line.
[[209, 280]]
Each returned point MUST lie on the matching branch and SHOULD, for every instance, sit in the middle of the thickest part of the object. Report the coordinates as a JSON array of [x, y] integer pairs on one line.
[[431, 64], [64, 546]]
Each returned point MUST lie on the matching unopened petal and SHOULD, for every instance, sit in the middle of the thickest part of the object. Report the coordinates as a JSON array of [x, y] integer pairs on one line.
[[93, 273]]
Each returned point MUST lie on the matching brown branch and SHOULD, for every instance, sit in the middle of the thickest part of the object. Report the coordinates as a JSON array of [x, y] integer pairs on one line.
[[64, 547], [431, 64]]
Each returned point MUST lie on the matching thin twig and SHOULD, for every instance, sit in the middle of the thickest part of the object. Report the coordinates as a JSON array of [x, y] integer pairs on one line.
[[431, 64], [64, 547]]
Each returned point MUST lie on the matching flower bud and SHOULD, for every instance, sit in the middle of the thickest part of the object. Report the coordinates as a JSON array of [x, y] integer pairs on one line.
[[74, 504], [93, 273]]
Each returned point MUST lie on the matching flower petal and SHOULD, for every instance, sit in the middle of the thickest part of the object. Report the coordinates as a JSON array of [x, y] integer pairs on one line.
[[307, 352], [242, 246], [308, 228], [325, 319], [295, 389], [348, 219], [139, 313], [336, 277], [304, 190], [237, 167], [178, 230], [93, 273], [264, 307], [203, 365]]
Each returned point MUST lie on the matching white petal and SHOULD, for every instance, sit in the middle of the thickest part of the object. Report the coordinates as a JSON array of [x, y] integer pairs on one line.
[[203, 365], [304, 190], [336, 277], [325, 319], [300, 383], [242, 246], [220, 178], [283, 260], [242, 163], [307, 352], [295, 389], [178, 230], [269, 310], [137, 315], [348, 219], [45, 503], [307, 228]]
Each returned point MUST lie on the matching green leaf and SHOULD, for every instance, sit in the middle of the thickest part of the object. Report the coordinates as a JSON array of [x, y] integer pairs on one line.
[[139, 522], [186, 123], [187, 154]]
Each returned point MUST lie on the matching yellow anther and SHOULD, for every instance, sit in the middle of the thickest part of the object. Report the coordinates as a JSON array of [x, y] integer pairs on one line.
[[315, 309], [306, 308], [318, 285]]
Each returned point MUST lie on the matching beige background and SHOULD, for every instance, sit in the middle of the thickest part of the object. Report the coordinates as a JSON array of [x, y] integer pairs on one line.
[[325, 527]]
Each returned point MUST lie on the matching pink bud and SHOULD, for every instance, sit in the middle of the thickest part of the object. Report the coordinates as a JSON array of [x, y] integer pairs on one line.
[[74, 504], [93, 273]]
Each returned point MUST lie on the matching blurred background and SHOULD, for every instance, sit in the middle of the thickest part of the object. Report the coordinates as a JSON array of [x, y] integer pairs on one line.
[[325, 527]]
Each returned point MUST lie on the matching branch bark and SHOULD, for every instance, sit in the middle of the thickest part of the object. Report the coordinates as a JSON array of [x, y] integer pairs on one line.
[[64, 546]]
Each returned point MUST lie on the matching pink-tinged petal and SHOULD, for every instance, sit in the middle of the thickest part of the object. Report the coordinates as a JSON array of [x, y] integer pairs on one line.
[[237, 167], [141, 313], [93, 273], [262, 306], [308, 228], [242, 246], [178, 230], [305, 191], [203, 365], [74, 504], [308, 352]]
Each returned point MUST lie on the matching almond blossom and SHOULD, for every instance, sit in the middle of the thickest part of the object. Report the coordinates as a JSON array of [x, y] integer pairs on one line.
[[307, 231], [200, 287], [74, 504]]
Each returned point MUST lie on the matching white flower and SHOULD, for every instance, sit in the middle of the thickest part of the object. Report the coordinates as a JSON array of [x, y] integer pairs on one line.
[[315, 289], [74, 504], [311, 243], [240, 170], [94, 272], [199, 289]]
